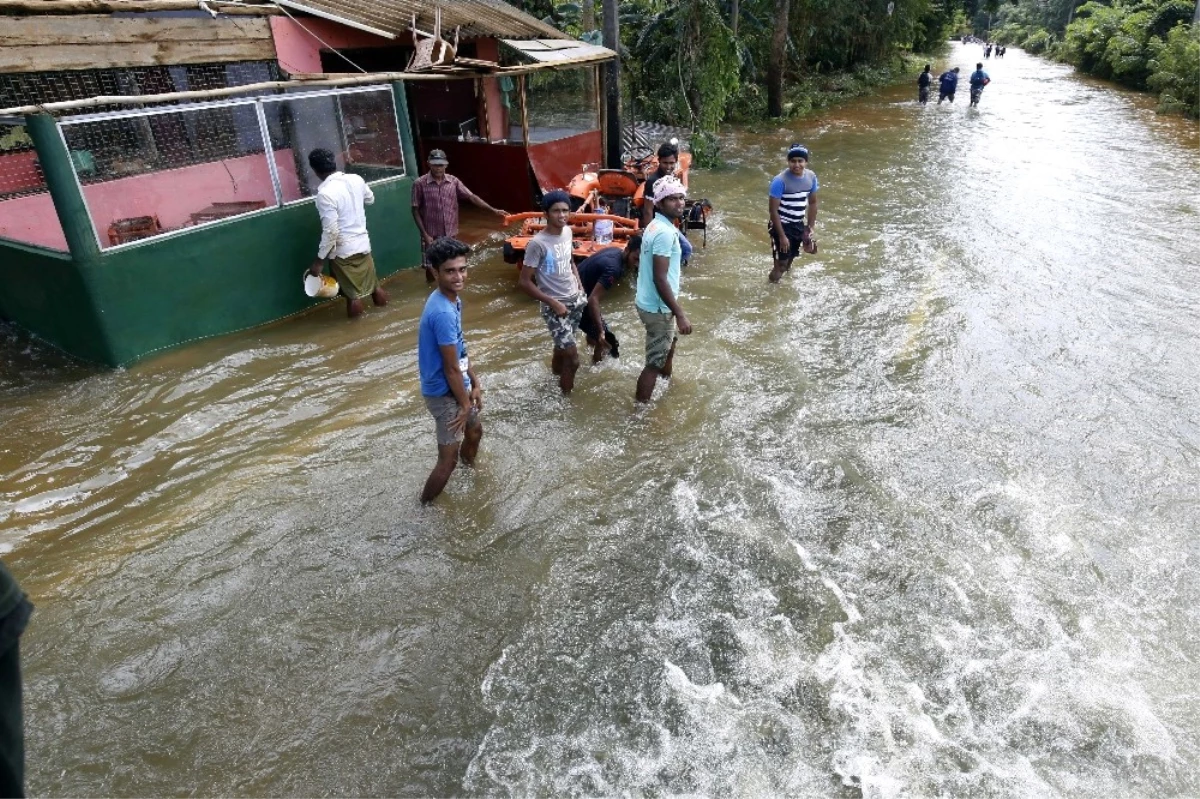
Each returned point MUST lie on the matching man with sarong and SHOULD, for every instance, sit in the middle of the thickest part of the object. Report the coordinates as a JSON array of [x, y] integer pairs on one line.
[[344, 241]]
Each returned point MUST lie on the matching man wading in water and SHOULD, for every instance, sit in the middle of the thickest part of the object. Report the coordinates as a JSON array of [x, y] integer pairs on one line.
[[435, 197], [792, 211], [550, 277], [658, 285], [448, 382], [344, 239]]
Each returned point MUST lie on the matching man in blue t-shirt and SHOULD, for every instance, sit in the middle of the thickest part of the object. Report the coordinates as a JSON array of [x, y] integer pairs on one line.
[[448, 382], [978, 80], [599, 273], [658, 285], [947, 85], [792, 211]]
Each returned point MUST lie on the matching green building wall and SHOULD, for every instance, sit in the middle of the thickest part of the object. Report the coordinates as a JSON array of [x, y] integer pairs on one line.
[[117, 306]]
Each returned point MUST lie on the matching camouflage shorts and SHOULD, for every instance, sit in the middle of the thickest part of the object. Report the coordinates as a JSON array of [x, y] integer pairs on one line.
[[562, 328]]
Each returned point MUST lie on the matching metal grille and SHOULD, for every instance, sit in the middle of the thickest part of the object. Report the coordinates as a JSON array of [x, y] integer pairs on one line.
[[35, 88], [26, 211], [358, 126], [146, 172], [149, 172]]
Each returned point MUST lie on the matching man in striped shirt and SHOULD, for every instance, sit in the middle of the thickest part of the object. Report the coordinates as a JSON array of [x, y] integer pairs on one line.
[[435, 197], [793, 211]]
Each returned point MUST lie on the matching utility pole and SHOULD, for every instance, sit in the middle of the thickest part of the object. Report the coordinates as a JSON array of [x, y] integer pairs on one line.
[[612, 88]]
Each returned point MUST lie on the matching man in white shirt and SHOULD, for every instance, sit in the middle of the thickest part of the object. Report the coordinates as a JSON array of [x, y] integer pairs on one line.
[[344, 239]]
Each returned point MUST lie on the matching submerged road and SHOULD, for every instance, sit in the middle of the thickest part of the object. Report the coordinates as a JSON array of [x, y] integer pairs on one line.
[[920, 521]]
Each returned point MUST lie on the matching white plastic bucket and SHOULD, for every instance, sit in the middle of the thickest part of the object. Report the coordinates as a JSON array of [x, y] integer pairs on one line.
[[320, 285], [603, 232]]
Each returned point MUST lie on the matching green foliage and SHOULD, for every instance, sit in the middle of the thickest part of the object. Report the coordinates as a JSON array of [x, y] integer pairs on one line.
[[1037, 42], [706, 149], [1145, 44], [685, 65], [14, 137], [1174, 67]]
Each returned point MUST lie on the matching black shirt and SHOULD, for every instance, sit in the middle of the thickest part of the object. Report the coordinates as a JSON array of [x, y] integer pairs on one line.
[[605, 268]]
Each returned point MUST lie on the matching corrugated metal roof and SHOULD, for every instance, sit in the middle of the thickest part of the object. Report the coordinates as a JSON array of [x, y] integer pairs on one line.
[[548, 51], [475, 17]]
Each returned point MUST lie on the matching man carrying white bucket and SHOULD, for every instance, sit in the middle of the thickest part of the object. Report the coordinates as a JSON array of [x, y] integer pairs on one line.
[[344, 241]]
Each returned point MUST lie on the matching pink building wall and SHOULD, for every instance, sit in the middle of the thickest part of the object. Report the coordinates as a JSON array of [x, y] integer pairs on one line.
[[18, 173], [172, 195], [300, 53]]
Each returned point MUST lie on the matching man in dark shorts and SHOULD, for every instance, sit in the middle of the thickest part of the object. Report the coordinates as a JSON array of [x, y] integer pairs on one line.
[[792, 211], [947, 84], [599, 273], [448, 381], [923, 81]]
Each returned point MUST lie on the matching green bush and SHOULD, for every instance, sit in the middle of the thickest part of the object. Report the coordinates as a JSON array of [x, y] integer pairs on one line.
[[1038, 42], [1174, 66]]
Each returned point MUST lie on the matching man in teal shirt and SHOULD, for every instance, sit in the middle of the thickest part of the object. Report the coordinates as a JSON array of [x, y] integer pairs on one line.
[[658, 285]]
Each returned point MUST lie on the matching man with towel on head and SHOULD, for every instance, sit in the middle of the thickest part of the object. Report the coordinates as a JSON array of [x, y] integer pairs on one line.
[[344, 241], [658, 285]]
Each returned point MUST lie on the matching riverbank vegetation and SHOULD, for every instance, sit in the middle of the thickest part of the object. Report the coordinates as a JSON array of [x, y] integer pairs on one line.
[[1152, 45], [697, 63]]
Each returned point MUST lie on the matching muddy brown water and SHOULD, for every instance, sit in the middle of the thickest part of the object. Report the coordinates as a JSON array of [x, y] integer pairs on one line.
[[921, 521]]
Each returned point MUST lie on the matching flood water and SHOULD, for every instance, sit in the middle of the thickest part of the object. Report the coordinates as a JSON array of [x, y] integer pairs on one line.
[[920, 521]]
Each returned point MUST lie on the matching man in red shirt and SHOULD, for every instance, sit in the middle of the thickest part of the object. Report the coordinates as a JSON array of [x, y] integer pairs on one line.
[[435, 197]]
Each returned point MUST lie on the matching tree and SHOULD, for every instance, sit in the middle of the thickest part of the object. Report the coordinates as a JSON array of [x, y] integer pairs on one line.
[[777, 61]]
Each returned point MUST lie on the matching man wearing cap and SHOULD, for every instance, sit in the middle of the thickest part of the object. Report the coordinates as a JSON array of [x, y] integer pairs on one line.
[[792, 211], [344, 241], [435, 197], [658, 285]]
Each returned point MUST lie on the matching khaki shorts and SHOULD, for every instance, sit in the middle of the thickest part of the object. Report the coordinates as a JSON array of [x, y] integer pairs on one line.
[[660, 334], [444, 410]]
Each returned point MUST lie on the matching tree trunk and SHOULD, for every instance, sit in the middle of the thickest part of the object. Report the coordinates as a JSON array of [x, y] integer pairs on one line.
[[735, 12], [587, 15], [612, 86], [775, 66]]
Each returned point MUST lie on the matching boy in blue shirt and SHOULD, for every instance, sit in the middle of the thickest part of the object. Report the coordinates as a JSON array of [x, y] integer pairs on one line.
[[448, 382]]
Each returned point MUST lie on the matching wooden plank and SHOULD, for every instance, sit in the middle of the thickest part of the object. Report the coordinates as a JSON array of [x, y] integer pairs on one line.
[[99, 30], [126, 6], [53, 58]]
